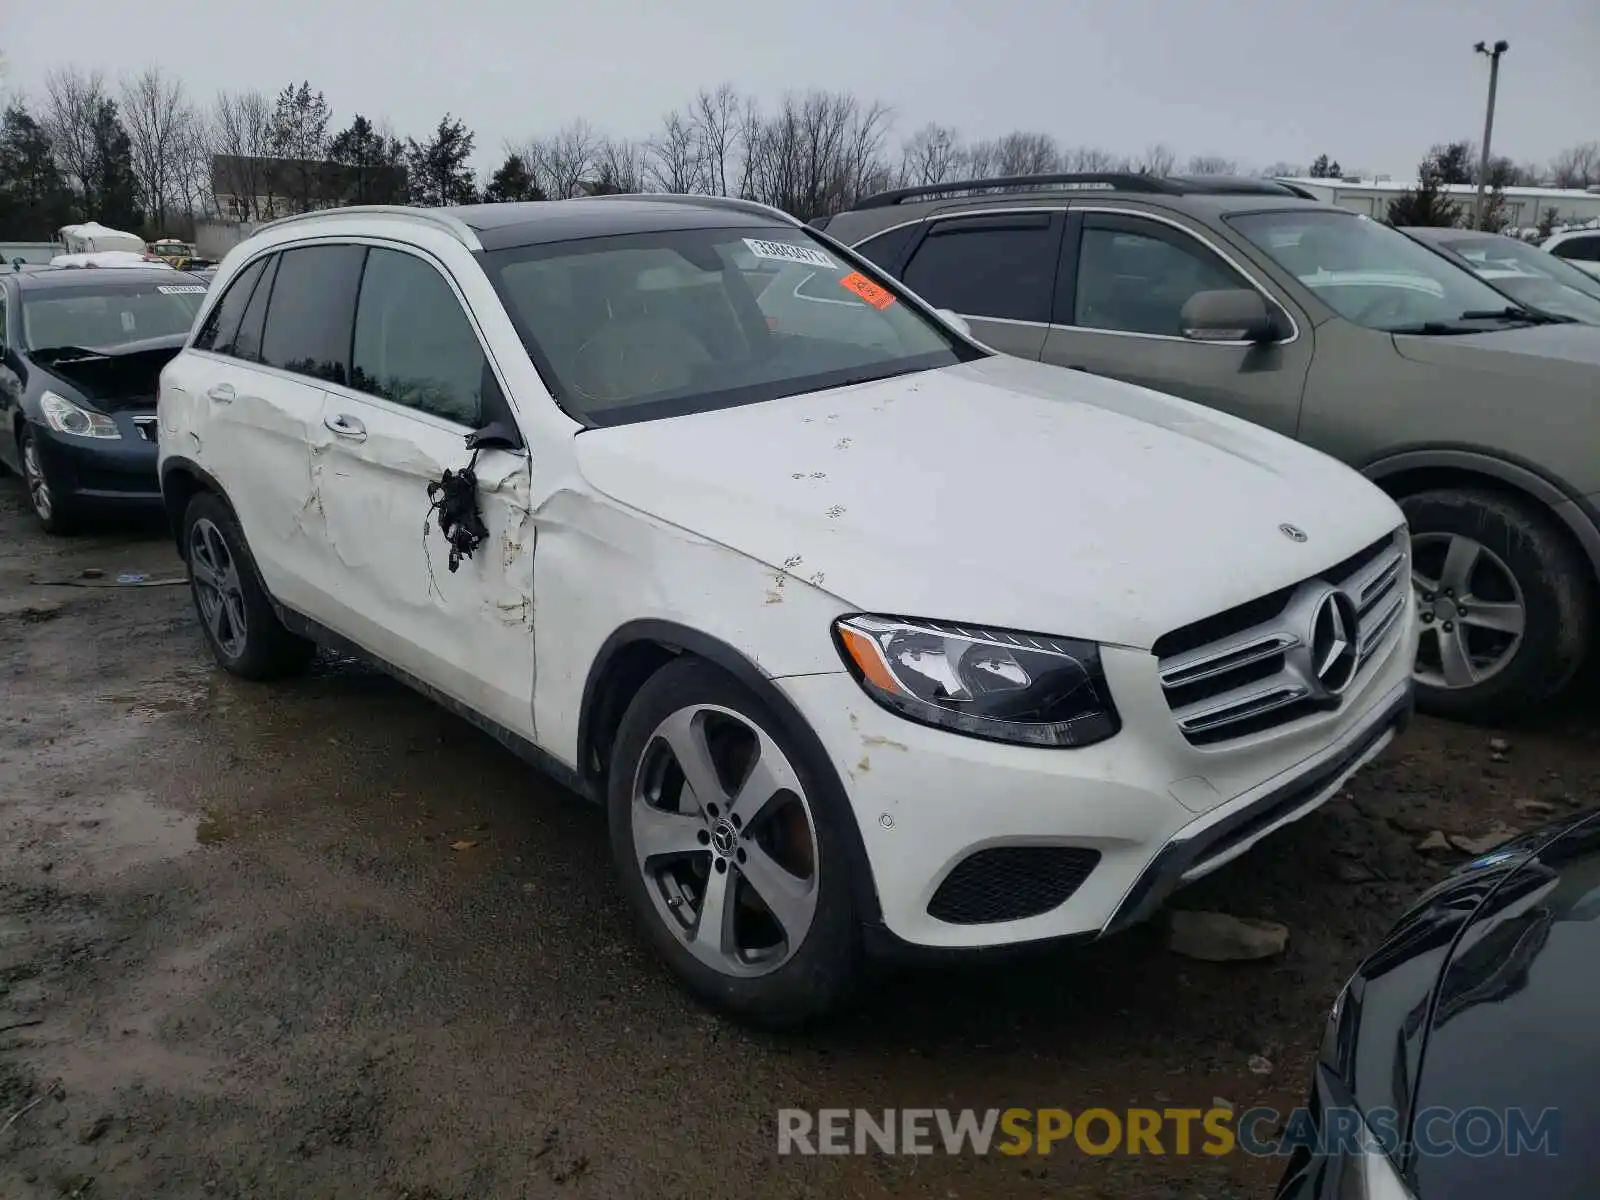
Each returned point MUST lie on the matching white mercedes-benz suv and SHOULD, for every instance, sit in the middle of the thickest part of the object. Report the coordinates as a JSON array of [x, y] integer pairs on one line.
[[869, 639]]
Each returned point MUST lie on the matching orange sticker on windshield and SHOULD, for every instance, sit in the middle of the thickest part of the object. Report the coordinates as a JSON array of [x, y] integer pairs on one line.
[[870, 292]]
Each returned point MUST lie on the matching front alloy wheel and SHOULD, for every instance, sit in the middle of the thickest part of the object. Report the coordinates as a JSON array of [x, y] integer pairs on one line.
[[724, 839], [42, 496], [1504, 603], [733, 842], [1471, 609]]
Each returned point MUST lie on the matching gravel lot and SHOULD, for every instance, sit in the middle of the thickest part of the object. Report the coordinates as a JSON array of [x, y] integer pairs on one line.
[[324, 940]]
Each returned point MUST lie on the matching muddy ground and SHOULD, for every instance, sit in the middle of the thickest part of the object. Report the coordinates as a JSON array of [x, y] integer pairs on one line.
[[322, 939]]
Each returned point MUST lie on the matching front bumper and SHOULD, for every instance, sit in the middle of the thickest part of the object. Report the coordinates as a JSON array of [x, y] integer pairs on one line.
[[1146, 809], [102, 472]]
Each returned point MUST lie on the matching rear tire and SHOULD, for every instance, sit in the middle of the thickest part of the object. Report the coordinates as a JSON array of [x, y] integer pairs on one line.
[[238, 619], [763, 821], [1505, 604]]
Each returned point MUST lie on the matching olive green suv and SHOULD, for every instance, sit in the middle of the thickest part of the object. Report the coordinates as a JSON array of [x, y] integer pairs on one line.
[[1481, 417]]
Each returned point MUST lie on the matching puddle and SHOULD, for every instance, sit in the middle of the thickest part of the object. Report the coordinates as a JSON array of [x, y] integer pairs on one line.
[[215, 827]]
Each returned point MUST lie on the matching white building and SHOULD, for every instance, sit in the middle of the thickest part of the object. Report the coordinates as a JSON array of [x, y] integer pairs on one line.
[[1526, 206]]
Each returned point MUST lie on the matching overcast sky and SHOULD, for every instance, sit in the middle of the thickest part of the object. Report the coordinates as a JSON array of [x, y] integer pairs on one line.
[[1371, 82]]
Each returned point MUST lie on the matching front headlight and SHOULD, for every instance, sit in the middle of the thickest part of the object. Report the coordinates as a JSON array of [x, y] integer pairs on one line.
[[64, 416], [989, 683]]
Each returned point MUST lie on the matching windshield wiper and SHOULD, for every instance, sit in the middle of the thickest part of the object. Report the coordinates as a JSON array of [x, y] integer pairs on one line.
[[57, 353], [1512, 313]]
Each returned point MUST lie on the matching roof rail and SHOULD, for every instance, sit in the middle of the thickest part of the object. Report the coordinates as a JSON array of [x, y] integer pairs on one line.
[[1121, 181], [730, 202], [454, 226]]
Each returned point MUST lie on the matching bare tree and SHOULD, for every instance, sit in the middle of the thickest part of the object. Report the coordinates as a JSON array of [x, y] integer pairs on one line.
[[819, 153], [1212, 164], [619, 166], [932, 154], [980, 159], [563, 160], [1283, 170], [72, 102], [719, 119], [240, 141], [1156, 160], [1578, 167], [159, 119], [675, 158], [1091, 160], [1022, 153]]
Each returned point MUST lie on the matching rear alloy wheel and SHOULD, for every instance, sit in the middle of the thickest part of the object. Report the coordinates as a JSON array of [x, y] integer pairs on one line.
[[1502, 601], [42, 496], [729, 850], [240, 626]]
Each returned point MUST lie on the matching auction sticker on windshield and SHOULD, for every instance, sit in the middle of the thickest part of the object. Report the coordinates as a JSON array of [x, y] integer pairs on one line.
[[870, 292], [789, 252], [188, 289]]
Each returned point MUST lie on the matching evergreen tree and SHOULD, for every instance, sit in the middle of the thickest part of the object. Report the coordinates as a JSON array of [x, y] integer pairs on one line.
[[374, 164], [512, 181], [34, 198], [437, 171]]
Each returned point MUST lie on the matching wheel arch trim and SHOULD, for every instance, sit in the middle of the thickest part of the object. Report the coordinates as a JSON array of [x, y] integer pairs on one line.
[[1572, 509], [681, 639]]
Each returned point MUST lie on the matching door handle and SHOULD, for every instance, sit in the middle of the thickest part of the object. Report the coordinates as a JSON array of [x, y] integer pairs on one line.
[[346, 426], [222, 393]]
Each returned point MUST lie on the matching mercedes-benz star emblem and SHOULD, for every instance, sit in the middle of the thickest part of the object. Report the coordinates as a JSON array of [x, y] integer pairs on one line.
[[1335, 631], [1293, 532], [723, 838]]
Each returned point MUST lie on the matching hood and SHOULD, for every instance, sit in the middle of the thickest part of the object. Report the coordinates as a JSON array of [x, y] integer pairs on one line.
[[1562, 356], [1000, 492], [1510, 1006], [115, 377]]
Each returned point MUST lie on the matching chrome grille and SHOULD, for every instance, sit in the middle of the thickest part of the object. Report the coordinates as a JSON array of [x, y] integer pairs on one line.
[[1287, 654], [147, 427]]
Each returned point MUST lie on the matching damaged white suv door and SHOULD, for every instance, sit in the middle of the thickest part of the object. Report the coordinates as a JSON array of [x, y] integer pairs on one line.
[[326, 466]]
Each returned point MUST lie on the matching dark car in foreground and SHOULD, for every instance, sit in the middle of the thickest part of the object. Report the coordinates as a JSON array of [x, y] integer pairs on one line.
[[1460, 1060], [1532, 277], [81, 352]]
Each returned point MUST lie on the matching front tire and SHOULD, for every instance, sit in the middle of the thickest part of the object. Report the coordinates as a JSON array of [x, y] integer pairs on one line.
[[240, 626], [1504, 604], [44, 498], [729, 846]]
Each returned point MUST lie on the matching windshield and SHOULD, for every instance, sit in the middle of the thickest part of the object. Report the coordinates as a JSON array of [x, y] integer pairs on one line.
[[1373, 275], [643, 326], [102, 317], [1530, 274]]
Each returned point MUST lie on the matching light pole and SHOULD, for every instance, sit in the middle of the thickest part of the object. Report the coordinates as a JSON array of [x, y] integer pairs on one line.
[[1493, 54]]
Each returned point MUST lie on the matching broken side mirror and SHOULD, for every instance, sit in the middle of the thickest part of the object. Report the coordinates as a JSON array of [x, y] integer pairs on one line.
[[496, 435]]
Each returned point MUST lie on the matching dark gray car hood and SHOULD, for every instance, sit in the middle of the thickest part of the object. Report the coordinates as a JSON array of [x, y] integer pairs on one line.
[[1556, 355]]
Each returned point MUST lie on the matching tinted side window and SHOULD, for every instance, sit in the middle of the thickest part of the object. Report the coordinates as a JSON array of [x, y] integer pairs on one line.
[[313, 303], [247, 340], [988, 267], [223, 320], [887, 249], [413, 342], [1584, 249], [1135, 277]]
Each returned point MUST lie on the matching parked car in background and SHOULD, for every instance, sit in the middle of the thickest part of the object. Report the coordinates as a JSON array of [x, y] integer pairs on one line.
[[869, 638], [1322, 325], [1456, 1064], [1580, 247], [81, 351], [1527, 274]]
